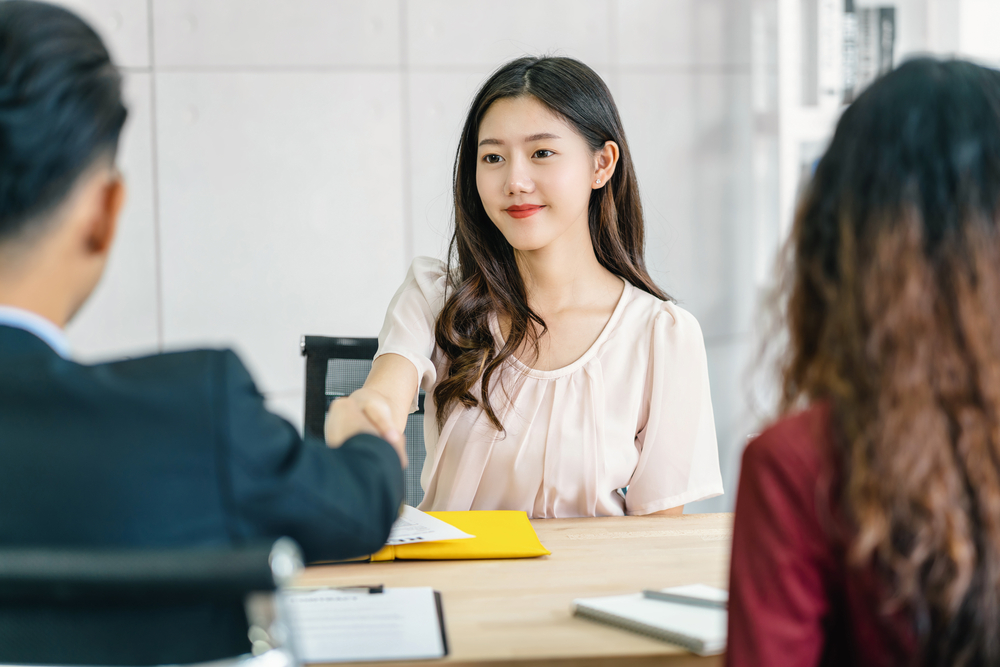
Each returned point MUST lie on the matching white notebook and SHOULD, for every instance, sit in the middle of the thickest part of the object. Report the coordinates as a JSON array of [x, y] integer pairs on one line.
[[696, 628], [331, 625]]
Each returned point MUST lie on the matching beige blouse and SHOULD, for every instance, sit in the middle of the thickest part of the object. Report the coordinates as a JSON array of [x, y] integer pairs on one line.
[[634, 411]]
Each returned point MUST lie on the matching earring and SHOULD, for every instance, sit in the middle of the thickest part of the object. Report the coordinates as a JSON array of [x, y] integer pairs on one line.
[[598, 181]]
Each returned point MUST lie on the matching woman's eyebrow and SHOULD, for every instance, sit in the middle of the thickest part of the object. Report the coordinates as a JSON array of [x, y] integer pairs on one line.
[[527, 140]]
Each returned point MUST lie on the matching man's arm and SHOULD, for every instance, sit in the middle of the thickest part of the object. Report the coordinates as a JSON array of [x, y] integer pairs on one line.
[[336, 503]]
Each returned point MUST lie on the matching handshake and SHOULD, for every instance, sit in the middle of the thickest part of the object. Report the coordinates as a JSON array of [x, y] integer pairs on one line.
[[364, 411]]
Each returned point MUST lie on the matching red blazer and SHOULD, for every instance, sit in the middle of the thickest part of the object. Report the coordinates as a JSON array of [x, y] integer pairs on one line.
[[792, 598]]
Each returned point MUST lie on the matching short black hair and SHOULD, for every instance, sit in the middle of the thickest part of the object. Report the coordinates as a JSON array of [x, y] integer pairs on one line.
[[60, 109]]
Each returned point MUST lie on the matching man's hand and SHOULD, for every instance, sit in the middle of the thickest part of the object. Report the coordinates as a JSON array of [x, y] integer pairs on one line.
[[364, 411]]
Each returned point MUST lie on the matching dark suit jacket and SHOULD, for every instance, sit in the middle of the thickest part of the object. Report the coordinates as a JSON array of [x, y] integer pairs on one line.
[[175, 450]]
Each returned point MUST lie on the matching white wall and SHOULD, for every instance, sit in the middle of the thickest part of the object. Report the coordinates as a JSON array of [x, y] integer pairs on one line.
[[286, 160]]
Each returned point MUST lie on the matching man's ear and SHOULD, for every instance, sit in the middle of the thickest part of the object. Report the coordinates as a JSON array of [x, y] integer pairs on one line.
[[105, 221]]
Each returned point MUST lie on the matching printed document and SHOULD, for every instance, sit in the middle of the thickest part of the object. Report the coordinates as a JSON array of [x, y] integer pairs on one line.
[[416, 526]]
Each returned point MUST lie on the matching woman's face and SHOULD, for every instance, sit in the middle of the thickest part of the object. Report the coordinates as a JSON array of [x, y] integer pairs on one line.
[[534, 173]]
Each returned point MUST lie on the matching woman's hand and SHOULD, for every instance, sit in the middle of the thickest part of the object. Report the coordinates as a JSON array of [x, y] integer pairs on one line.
[[364, 411]]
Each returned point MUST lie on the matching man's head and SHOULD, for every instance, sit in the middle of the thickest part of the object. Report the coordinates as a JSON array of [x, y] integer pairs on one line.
[[61, 115]]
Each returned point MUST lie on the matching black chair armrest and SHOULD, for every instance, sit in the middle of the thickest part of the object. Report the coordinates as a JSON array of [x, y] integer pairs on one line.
[[54, 575]]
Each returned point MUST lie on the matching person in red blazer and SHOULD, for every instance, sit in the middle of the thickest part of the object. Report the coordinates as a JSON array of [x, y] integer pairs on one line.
[[867, 527]]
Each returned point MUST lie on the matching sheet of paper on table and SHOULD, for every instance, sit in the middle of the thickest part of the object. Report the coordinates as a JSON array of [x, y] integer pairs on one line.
[[416, 526], [331, 625]]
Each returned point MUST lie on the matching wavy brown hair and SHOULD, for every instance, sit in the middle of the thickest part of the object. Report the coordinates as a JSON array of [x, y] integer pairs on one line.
[[483, 276], [893, 315]]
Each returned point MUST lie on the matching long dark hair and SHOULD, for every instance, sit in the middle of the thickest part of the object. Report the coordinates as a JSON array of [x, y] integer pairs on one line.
[[482, 270], [60, 109], [893, 313]]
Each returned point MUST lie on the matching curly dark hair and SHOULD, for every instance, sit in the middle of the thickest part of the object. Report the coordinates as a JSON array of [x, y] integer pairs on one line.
[[892, 305], [483, 276]]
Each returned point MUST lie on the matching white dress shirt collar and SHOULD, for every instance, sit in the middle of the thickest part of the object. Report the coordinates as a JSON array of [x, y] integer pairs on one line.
[[35, 324]]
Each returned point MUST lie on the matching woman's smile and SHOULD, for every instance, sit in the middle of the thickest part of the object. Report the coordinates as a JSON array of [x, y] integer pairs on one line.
[[523, 210]]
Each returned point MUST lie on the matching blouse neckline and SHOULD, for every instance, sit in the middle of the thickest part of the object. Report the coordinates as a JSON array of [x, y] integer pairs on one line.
[[583, 358]]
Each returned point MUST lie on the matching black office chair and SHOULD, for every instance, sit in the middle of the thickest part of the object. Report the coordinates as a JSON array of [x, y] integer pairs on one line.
[[337, 366], [138, 606]]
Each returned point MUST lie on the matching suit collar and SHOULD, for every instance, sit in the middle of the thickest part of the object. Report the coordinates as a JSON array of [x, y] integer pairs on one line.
[[17, 342], [37, 326]]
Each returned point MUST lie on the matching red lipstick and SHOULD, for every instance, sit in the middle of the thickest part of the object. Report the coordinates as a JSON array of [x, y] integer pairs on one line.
[[523, 210]]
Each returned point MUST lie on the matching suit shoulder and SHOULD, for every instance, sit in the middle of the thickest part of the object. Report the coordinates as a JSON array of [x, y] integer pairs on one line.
[[177, 367]]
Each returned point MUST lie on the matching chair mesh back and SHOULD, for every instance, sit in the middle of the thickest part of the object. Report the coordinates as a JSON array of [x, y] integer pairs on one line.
[[416, 452], [344, 376]]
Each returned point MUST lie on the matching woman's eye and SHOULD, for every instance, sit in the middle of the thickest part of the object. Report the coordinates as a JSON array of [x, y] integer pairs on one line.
[[544, 152], [492, 158]]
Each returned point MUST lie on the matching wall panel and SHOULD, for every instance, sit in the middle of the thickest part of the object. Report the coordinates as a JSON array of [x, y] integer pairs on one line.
[[438, 105], [281, 209], [122, 24], [462, 34], [682, 33], [689, 138], [304, 33]]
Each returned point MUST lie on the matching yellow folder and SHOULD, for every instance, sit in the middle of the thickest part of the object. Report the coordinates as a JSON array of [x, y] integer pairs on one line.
[[498, 534]]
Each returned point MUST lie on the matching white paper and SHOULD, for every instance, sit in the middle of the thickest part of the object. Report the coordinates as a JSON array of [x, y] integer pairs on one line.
[[416, 526], [331, 625]]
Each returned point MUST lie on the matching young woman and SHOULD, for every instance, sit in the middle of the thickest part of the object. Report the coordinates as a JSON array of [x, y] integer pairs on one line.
[[867, 525], [556, 372]]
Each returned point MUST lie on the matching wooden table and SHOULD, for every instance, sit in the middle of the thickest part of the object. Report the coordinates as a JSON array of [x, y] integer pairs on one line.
[[517, 612]]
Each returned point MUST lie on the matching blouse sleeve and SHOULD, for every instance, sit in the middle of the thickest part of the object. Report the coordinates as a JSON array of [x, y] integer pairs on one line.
[[678, 452], [409, 322]]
